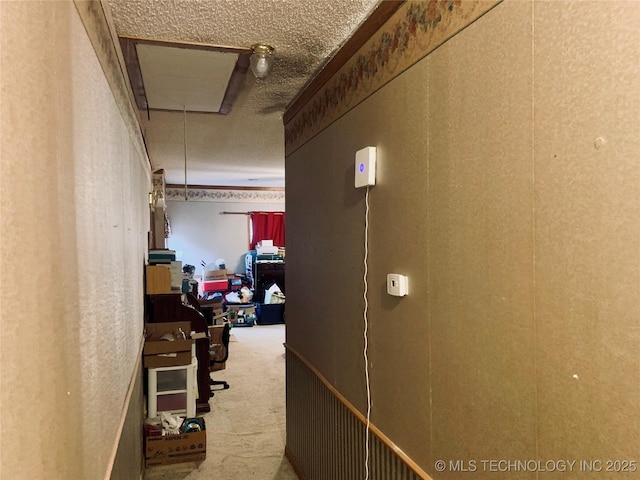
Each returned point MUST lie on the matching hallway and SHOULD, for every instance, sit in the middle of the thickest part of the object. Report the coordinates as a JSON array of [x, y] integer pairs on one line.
[[246, 425]]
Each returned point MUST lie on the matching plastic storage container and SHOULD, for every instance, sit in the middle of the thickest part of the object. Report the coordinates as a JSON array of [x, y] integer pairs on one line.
[[270, 314]]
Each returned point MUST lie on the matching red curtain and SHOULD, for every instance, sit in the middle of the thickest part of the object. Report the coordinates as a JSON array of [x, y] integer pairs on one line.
[[267, 226]]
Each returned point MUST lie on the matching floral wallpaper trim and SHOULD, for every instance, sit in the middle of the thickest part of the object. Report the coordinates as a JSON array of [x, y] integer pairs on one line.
[[225, 195], [414, 31]]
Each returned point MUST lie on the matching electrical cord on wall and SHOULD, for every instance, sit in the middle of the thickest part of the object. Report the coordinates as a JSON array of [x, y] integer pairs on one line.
[[366, 331]]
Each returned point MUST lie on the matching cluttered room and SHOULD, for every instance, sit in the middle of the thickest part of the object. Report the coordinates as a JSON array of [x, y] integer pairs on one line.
[[187, 332], [192, 309]]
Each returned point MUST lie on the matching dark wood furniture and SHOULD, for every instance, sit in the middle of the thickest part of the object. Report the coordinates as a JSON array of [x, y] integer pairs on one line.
[[170, 308], [266, 274]]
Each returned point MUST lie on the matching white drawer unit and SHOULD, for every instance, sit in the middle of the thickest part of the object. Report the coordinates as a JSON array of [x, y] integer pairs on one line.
[[172, 389]]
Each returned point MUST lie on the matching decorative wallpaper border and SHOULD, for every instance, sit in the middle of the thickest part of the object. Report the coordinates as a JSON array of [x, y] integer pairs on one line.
[[224, 195], [414, 31]]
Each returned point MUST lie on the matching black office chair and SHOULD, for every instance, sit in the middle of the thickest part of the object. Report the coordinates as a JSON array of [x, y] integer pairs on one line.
[[219, 354]]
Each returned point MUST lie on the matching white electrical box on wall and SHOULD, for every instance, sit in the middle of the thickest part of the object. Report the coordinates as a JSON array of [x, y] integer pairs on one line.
[[365, 167], [397, 285]]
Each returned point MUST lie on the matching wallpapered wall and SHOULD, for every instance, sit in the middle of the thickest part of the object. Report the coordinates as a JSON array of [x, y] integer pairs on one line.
[[74, 226], [507, 190]]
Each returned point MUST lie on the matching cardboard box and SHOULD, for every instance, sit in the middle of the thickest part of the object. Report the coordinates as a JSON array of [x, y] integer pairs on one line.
[[215, 275], [158, 279], [219, 317], [242, 314], [165, 353], [240, 308], [174, 359], [170, 449]]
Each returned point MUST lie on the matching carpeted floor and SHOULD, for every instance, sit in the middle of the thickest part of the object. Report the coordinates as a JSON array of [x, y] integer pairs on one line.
[[246, 425]]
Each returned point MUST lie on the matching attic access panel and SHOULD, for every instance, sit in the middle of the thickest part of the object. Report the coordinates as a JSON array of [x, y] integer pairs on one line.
[[176, 76]]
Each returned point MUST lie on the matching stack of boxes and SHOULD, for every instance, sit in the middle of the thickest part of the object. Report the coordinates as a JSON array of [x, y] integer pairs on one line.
[[164, 273], [169, 355], [215, 280]]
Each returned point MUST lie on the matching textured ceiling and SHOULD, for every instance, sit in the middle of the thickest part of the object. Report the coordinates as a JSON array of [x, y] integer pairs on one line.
[[245, 147]]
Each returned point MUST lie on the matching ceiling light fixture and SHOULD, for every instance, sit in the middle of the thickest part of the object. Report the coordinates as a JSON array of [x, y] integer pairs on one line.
[[261, 59]]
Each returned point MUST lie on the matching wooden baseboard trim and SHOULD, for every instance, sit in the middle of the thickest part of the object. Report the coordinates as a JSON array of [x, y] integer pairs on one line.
[[294, 464]]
